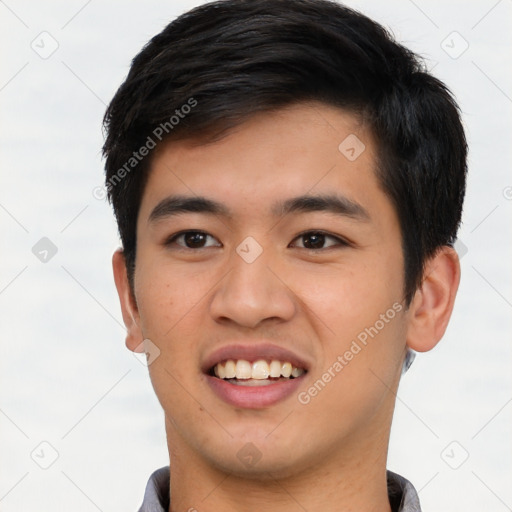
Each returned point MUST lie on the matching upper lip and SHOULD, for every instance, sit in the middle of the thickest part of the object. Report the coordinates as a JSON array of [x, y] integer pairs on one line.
[[253, 352]]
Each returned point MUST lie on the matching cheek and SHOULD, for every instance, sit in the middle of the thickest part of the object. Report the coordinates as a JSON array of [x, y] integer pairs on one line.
[[346, 298], [170, 306], [168, 298], [362, 344], [358, 317], [172, 301]]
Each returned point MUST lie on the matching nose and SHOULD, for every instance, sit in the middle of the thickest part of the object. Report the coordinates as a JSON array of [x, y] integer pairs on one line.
[[252, 293]]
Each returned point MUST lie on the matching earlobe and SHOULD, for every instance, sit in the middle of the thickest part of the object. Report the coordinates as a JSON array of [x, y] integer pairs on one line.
[[131, 319], [432, 303]]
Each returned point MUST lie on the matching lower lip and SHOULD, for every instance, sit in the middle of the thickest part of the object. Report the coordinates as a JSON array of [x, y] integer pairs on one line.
[[253, 397]]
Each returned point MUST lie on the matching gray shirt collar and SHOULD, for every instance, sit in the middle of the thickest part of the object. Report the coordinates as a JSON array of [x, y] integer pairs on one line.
[[402, 494]]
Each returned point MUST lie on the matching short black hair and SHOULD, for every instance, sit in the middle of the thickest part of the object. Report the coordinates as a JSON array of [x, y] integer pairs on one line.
[[216, 65]]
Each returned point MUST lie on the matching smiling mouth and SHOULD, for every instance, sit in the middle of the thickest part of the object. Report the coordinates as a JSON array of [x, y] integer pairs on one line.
[[261, 372]]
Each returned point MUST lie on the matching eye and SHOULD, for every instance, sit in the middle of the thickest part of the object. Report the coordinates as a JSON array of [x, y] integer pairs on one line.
[[317, 240], [192, 240]]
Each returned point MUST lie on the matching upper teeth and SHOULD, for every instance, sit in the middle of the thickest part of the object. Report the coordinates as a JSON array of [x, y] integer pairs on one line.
[[260, 369]]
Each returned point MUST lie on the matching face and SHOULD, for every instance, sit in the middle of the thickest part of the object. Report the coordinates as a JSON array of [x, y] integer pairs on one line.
[[272, 250]]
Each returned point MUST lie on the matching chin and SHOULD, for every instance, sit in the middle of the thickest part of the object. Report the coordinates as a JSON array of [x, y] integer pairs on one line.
[[267, 468], [258, 457]]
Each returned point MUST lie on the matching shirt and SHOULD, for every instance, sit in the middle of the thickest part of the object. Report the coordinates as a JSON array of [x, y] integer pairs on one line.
[[402, 494]]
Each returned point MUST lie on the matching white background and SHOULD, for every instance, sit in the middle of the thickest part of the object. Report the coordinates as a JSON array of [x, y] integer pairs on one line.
[[66, 377]]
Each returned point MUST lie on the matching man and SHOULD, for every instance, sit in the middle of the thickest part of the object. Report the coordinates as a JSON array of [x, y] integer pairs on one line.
[[288, 184]]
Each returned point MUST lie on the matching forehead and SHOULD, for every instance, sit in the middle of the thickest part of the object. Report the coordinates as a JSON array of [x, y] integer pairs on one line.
[[305, 149]]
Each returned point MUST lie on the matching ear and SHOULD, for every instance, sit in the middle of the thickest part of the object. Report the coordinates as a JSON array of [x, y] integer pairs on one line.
[[131, 318], [432, 304]]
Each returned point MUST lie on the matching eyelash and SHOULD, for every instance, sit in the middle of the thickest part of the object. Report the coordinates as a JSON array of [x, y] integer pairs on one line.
[[340, 241]]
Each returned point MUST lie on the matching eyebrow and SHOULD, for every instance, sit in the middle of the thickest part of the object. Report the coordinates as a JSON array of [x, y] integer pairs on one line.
[[331, 203]]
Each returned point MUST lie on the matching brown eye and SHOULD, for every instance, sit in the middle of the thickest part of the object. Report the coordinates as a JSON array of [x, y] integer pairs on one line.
[[315, 240], [192, 240]]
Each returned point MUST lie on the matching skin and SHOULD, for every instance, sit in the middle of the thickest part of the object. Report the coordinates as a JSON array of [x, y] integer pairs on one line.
[[329, 454]]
